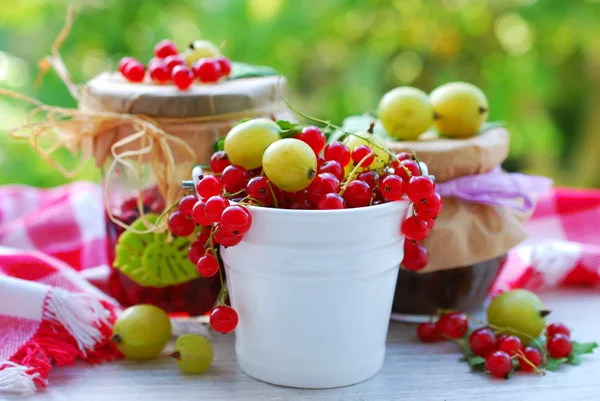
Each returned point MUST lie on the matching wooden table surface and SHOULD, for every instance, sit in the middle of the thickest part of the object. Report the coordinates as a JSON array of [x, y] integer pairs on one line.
[[412, 371]]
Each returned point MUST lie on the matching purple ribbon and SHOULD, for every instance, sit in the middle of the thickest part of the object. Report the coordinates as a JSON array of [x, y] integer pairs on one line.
[[496, 187]]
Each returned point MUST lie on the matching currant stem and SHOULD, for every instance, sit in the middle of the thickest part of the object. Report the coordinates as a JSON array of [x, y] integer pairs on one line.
[[521, 354], [354, 171], [166, 212], [273, 195]]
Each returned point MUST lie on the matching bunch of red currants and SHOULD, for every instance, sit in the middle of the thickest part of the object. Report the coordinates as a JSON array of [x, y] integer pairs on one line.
[[168, 65]]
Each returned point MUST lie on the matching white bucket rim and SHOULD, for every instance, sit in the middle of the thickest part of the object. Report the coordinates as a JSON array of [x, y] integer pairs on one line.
[[383, 207]]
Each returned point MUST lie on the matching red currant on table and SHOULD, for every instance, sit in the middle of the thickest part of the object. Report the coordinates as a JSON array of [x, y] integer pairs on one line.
[[428, 332], [534, 356], [416, 256], [322, 185], [164, 48], [420, 188], [236, 219], [511, 345], [224, 319], [207, 70], [218, 162], [499, 364], [182, 77], [429, 208], [234, 178], [557, 328], [258, 188], [410, 165], [331, 202], [196, 251], [415, 229], [357, 194], [224, 66], [360, 152], [226, 238], [332, 167], [207, 266], [559, 346], [313, 137], [208, 186], [339, 152], [198, 214], [186, 204], [134, 71], [214, 207], [453, 325], [482, 342], [173, 61], [370, 177], [180, 225], [392, 187], [123, 63], [159, 72]]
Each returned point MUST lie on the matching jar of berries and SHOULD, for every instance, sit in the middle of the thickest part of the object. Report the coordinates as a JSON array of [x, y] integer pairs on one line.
[[160, 120]]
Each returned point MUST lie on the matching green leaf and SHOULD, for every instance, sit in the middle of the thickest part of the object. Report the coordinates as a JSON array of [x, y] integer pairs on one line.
[[583, 348], [286, 125], [539, 343], [219, 144], [574, 359], [553, 364], [476, 361], [243, 70]]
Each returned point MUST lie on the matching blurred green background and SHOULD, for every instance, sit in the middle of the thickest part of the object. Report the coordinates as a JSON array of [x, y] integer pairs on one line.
[[537, 61]]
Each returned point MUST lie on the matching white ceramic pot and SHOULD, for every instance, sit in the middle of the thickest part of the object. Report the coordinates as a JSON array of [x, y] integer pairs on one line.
[[314, 291]]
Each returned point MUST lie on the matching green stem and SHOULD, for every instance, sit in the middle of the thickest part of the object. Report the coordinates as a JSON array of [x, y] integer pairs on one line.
[[223, 290], [273, 195], [166, 212], [354, 171]]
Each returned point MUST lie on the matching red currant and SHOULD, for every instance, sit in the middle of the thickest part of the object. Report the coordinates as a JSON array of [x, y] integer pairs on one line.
[[482, 342], [339, 152], [214, 207], [320, 161], [557, 328], [500, 337], [360, 152], [370, 177], [499, 364], [182, 77], [224, 66], [416, 256], [218, 162], [207, 70], [410, 165], [204, 236], [226, 238], [302, 204], [357, 194], [428, 333], [404, 156], [234, 178], [208, 186], [322, 185], [559, 346], [430, 224], [123, 63], [331, 202], [453, 325], [415, 229], [313, 137], [533, 355], [285, 199], [134, 71], [392, 187], [420, 188], [224, 319], [207, 266], [510, 345], [164, 48], [196, 251], [159, 72], [258, 188], [236, 219], [186, 204], [173, 61], [332, 167], [180, 225], [429, 208], [198, 214]]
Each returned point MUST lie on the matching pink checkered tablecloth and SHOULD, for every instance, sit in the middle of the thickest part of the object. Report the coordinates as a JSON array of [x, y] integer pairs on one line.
[[52, 245]]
